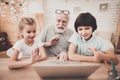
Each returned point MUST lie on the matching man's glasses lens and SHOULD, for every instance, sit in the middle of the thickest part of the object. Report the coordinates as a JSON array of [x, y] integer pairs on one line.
[[58, 11], [66, 12]]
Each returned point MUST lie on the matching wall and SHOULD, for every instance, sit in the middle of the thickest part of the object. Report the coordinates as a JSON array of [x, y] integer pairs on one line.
[[11, 30], [9, 23], [106, 19]]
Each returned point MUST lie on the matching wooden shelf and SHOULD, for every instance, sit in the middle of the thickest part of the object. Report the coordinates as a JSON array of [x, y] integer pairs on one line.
[[118, 50], [3, 54], [117, 40]]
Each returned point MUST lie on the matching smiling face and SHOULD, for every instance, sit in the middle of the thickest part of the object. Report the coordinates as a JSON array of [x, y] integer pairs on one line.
[[61, 23], [27, 28], [85, 32], [29, 32], [85, 21]]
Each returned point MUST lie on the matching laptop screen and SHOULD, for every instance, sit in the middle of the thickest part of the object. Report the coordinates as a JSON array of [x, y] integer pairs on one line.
[[69, 69]]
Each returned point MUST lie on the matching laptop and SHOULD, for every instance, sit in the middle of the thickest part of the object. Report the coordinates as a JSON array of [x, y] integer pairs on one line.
[[52, 68]]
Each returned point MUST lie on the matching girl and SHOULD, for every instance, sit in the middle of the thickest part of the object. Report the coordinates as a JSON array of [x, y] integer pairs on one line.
[[26, 51], [84, 46]]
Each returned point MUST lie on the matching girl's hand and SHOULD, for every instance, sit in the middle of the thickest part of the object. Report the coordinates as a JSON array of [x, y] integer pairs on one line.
[[35, 55]]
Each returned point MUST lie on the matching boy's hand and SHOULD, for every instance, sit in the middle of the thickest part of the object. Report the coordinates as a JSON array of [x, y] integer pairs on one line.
[[97, 55]]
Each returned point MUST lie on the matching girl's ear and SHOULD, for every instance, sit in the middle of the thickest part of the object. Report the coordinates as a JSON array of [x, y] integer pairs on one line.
[[20, 31], [20, 34]]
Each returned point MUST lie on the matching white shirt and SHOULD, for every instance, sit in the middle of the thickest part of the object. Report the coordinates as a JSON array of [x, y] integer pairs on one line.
[[24, 50]]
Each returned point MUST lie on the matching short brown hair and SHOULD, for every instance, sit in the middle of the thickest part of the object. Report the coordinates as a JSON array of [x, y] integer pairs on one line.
[[85, 19]]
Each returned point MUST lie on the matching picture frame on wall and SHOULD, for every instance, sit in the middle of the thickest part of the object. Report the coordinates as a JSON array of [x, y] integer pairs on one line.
[[103, 6]]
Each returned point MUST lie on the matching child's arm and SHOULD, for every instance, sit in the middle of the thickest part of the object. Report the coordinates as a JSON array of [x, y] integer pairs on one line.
[[20, 63], [110, 55], [42, 53], [77, 57], [105, 56]]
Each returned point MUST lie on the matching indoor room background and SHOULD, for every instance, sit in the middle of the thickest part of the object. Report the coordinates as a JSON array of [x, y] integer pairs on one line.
[[106, 12]]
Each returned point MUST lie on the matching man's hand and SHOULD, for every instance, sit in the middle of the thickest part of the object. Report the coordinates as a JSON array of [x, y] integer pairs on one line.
[[62, 56], [52, 42]]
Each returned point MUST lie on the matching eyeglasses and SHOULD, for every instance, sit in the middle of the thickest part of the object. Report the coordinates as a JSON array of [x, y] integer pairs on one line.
[[65, 12]]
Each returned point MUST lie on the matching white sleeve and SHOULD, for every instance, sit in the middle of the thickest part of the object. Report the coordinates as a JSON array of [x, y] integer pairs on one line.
[[38, 42], [10, 50], [17, 45]]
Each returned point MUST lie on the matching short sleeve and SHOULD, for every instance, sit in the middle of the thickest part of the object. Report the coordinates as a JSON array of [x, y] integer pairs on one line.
[[105, 45], [73, 39], [43, 34], [17, 45], [38, 42]]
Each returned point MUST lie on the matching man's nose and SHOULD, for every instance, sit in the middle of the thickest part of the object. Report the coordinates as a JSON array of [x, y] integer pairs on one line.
[[61, 23]]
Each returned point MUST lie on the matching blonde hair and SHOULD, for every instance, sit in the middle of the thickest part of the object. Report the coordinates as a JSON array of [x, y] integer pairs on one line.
[[25, 21]]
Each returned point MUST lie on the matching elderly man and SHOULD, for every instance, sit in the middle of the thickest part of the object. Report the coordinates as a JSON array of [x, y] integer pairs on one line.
[[55, 37]]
